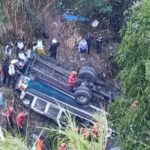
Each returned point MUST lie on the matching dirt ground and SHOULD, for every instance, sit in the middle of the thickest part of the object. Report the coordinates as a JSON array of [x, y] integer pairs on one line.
[[68, 34]]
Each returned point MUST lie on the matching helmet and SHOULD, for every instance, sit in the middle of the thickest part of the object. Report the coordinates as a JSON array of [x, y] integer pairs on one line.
[[54, 41], [63, 145], [11, 109], [26, 113], [74, 73]]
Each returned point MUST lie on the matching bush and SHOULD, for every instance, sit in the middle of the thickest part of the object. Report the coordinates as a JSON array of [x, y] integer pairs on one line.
[[133, 58]]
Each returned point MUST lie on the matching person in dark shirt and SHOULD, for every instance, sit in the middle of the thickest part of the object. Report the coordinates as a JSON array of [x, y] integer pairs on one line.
[[5, 67], [20, 46], [89, 40], [99, 41], [9, 118], [53, 48]]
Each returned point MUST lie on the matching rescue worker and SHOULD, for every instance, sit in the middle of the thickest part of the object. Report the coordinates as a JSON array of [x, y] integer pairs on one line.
[[83, 48], [9, 49], [89, 40], [20, 67], [1, 74], [53, 48], [39, 144], [84, 132], [20, 121], [72, 80], [134, 106], [94, 130], [12, 73], [99, 41], [63, 146], [9, 118], [20, 46], [5, 67], [22, 56], [29, 50], [40, 47]]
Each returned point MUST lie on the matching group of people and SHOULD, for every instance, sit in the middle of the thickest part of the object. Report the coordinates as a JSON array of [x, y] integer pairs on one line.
[[85, 45], [11, 119], [21, 122], [21, 53], [17, 57]]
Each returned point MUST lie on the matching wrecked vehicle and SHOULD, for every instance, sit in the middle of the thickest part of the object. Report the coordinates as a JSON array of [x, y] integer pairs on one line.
[[44, 89]]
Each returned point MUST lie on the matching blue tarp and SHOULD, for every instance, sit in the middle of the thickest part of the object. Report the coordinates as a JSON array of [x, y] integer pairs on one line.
[[70, 17]]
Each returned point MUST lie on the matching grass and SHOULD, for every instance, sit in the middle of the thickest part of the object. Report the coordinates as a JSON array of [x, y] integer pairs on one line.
[[70, 135], [13, 143]]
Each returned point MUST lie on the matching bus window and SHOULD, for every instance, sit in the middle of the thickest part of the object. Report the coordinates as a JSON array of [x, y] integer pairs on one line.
[[40, 105], [27, 100]]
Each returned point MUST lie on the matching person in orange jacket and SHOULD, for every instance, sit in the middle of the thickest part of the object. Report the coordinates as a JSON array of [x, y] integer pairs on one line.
[[63, 146], [95, 130], [20, 121], [39, 145], [72, 79], [85, 133], [9, 118]]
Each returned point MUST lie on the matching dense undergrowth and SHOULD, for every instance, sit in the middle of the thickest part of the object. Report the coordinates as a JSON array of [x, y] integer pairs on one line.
[[130, 113]]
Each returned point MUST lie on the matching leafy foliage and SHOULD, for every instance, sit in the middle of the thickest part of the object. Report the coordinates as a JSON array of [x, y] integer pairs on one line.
[[95, 7], [134, 59], [87, 7], [70, 135], [13, 143]]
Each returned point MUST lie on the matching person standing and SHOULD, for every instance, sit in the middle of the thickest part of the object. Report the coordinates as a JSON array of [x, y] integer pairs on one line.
[[99, 41], [63, 146], [9, 49], [40, 47], [20, 121], [89, 40], [83, 48], [12, 74], [53, 48], [20, 46], [1, 75], [5, 67], [9, 118], [72, 80], [39, 144]]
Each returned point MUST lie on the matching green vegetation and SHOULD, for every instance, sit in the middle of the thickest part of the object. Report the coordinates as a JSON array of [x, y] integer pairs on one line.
[[70, 135], [134, 60], [87, 7], [13, 143]]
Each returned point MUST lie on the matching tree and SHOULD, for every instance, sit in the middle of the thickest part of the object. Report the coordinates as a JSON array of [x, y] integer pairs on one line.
[[131, 119]]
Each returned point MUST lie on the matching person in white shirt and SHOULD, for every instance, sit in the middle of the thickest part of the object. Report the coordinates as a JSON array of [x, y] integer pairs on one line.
[[20, 46], [83, 48], [12, 73], [8, 49]]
